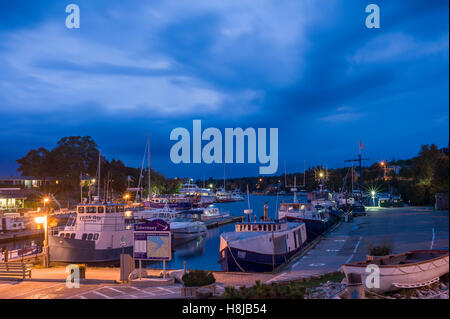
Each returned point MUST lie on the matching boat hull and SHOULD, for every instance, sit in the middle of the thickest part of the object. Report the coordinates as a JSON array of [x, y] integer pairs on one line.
[[407, 275], [238, 260], [82, 251], [171, 206], [314, 228]]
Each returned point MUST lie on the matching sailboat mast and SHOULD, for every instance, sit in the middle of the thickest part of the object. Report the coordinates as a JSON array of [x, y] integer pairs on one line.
[[304, 173], [98, 177], [148, 162], [224, 177]]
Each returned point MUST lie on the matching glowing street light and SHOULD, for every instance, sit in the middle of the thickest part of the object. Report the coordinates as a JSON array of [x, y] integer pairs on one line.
[[126, 196], [43, 220]]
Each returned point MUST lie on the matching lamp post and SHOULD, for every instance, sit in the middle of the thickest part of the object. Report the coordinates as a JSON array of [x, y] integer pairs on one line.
[[44, 220]]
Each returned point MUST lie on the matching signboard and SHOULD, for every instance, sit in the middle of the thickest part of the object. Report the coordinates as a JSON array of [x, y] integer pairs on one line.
[[152, 241]]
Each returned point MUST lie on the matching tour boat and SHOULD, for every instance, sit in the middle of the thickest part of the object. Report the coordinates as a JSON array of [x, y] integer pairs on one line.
[[260, 246], [98, 233], [175, 201], [412, 269], [223, 196], [200, 197]]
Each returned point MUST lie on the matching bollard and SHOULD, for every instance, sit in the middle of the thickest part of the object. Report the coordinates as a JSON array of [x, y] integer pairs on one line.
[[355, 286]]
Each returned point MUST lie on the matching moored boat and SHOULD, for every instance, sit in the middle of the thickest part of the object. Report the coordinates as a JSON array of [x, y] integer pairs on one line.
[[412, 269], [260, 246], [98, 233]]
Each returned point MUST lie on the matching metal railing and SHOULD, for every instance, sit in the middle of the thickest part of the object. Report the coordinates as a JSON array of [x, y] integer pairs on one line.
[[19, 253]]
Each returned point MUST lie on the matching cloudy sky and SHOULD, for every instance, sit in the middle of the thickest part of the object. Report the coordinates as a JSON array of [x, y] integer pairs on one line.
[[310, 68]]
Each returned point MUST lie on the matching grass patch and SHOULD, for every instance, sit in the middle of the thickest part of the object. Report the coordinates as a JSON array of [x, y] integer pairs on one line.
[[286, 290]]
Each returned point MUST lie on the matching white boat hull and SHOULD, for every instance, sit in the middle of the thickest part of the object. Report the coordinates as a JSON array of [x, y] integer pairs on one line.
[[398, 276]]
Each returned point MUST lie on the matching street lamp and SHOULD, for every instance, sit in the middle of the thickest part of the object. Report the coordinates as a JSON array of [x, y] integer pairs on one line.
[[373, 197], [43, 220]]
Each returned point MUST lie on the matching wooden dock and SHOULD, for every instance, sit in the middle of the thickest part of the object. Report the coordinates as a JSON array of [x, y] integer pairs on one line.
[[224, 221]]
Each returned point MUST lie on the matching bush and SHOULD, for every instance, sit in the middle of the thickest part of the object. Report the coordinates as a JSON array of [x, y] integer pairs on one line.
[[380, 250], [197, 278]]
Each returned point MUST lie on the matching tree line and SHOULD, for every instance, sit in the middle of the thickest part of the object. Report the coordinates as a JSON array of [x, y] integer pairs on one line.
[[416, 180], [77, 157]]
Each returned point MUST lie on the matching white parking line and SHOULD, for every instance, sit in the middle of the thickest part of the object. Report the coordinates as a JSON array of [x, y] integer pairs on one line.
[[34, 290], [354, 250], [116, 290], [143, 291], [432, 239], [103, 295], [357, 244], [164, 289]]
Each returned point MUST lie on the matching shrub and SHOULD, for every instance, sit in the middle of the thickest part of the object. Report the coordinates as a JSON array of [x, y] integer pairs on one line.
[[197, 278], [380, 250]]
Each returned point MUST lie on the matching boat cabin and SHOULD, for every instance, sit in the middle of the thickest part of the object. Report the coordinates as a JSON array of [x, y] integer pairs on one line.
[[262, 226], [292, 207], [93, 219]]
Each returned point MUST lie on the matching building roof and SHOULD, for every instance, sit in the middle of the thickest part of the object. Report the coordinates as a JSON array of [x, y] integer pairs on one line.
[[18, 193], [25, 178]]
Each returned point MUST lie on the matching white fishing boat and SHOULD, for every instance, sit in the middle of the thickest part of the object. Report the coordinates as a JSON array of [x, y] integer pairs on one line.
[[413, 269]]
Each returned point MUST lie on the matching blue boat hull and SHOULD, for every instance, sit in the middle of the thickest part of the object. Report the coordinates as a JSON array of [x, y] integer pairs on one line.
[[232, 260], [82, 251]]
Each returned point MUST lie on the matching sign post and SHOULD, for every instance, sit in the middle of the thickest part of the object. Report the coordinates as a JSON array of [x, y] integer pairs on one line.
[[152, 241]]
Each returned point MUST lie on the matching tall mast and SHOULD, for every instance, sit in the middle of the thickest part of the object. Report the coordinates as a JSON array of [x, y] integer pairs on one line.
[[99, 168], [224, 177], [304, 173], [149, 182]]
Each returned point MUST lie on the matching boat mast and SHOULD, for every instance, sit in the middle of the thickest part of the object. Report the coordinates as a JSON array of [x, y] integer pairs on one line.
[[98, 177], [140, 175], [304, 173], [224, 177], [148, 162]]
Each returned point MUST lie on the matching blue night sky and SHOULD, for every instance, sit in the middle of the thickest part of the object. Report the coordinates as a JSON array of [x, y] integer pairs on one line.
[[310, 68]]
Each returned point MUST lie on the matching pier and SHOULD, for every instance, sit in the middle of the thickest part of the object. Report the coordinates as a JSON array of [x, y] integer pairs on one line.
[[224, 221]]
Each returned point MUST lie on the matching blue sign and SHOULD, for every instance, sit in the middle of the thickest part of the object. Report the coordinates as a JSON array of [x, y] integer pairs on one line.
[[153, 225], [152, 240]]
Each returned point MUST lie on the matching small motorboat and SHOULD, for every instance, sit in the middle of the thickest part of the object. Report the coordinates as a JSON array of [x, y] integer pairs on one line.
[[413, 269]]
